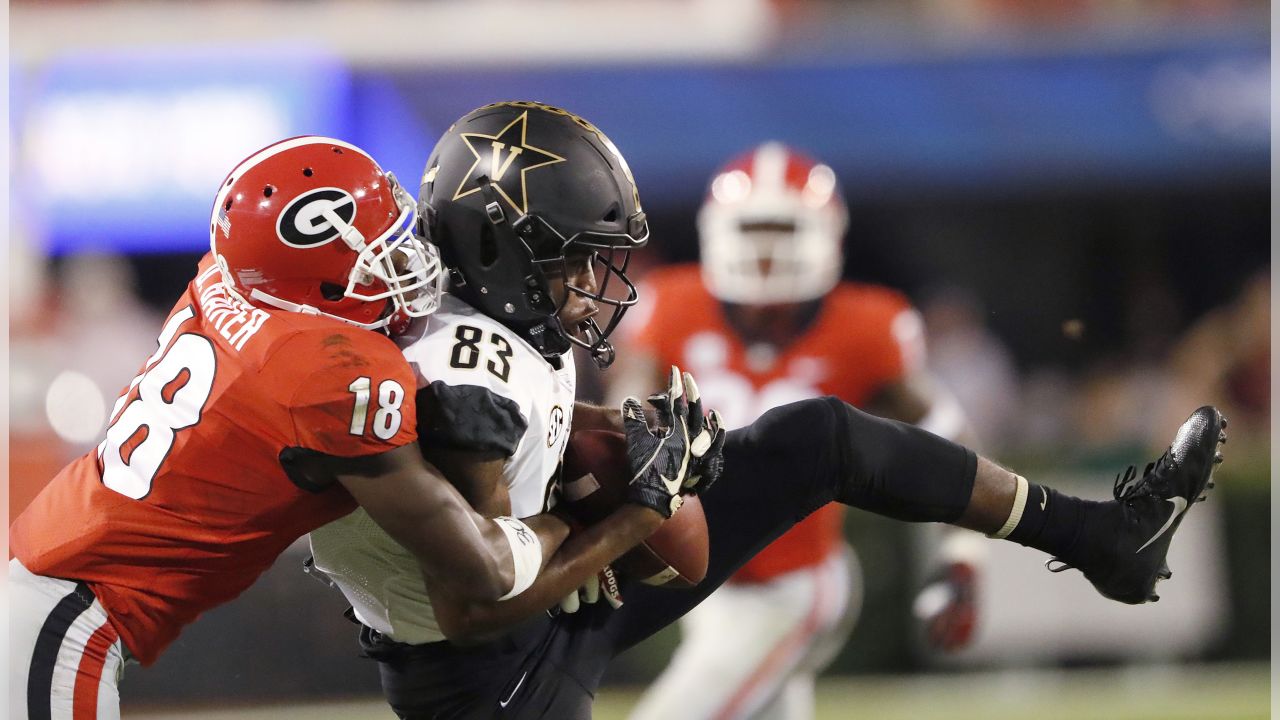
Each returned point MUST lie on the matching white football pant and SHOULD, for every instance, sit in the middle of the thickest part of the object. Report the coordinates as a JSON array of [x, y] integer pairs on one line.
[[65, 659], [753, 650]]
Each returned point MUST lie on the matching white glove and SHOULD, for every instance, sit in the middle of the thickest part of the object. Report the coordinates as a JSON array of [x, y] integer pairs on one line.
[[706, 441], [604, 584]]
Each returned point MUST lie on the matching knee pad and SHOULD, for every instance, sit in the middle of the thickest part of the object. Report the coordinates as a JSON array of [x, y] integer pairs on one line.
[[798, 442]]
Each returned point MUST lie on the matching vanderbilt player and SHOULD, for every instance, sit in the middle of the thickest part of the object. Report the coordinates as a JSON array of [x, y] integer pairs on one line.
[[484, 393], [764, 320], [526, 202]]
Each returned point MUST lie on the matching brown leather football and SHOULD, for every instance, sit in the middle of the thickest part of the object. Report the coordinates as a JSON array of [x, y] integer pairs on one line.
[[595, 483]]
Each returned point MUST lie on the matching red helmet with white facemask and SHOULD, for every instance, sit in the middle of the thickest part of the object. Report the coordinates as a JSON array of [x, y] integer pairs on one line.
[[314, 225], [771, 229]]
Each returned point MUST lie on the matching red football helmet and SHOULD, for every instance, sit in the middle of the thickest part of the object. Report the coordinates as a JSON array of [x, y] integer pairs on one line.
[[313, 225], [771, 228]]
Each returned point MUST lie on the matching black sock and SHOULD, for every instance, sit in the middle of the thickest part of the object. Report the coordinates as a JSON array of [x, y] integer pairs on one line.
[[1053, 522]]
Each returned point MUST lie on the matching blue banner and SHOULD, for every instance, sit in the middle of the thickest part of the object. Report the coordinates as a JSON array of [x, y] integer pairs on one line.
[[125, 150], [997, 123]]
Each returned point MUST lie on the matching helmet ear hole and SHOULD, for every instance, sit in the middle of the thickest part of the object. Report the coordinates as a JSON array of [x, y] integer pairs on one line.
[[488, 246], [427, 226], [611, 216], [332, 291]]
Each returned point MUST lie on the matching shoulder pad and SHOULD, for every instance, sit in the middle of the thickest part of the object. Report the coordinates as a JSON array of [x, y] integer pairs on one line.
[[469, 417]]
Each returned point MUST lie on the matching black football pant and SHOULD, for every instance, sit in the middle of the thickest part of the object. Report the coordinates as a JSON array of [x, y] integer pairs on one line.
[[778, 470]]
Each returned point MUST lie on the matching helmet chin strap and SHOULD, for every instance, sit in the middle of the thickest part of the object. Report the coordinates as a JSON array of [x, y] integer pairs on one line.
[[602, 352], [550, 331], [275, 302], [550, 338]]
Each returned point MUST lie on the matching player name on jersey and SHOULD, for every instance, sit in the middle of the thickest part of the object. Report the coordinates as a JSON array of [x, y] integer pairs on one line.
[[233, 319]]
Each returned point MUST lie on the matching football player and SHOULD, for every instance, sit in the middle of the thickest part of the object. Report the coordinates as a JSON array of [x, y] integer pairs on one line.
[[273, 403], [526, 203], [495, 370], [765, 321]]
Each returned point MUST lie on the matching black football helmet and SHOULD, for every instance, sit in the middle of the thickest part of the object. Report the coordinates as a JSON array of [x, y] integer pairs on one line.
[[508, 192]]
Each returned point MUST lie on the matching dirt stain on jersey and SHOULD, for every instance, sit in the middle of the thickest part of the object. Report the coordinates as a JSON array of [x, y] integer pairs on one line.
[[341, 352]]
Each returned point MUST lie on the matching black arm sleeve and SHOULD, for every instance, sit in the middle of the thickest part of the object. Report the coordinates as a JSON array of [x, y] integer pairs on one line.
[[468, 417]]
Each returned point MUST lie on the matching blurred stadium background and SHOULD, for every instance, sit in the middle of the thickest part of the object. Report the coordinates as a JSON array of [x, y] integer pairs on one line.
[[1076, 193]]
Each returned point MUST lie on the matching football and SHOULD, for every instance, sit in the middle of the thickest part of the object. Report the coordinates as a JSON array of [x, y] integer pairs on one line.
[[595, 483]]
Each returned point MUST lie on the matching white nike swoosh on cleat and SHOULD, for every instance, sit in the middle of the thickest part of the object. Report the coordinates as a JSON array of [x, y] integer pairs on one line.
[[1045, 501], [1179, 506]]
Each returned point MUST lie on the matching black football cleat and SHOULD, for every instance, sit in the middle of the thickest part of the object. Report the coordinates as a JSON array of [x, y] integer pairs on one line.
[[1151, 507]]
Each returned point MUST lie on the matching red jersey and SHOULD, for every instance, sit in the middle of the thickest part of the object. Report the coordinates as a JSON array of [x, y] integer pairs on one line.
[[862, 338], [185, 502]]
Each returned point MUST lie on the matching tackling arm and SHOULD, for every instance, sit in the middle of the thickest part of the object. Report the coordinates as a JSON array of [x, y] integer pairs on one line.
[[455, 547], [566, 563], [353, 423]]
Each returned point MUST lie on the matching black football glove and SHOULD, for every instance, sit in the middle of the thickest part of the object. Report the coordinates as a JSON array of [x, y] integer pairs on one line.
[[658, 456], [706, 442]]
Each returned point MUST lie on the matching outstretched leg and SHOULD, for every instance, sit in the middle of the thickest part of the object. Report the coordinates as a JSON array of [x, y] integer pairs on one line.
[[798, 457], [1119, 545]]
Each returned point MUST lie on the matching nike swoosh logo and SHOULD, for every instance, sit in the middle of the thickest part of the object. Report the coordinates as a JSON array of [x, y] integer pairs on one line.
[[1179, 505], [1045, 501], [516, 689]]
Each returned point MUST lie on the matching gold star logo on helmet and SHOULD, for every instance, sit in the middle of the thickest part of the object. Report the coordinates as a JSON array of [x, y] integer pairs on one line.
[[504, 159]]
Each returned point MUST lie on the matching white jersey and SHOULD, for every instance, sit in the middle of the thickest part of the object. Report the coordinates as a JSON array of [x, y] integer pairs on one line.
[[481, 387]]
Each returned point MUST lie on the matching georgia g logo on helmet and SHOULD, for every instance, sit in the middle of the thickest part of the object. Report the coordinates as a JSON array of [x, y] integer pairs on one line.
[[304, 222]]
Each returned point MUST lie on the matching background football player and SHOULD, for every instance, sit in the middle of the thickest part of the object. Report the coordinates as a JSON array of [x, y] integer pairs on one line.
[[765, 321], [523, 233], [273, 404]]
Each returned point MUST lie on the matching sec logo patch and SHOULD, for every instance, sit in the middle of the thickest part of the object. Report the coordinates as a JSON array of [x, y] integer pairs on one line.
[[555, 426]]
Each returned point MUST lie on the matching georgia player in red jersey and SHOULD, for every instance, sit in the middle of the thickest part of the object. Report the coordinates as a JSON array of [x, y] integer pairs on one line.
[[763, 322], [273, 404]]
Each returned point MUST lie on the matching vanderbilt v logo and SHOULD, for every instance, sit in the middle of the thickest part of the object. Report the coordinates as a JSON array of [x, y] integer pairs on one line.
[[499, 167], [504, 159]]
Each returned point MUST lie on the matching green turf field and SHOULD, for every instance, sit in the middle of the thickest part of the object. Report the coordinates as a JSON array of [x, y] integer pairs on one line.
[[1214, 692]]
